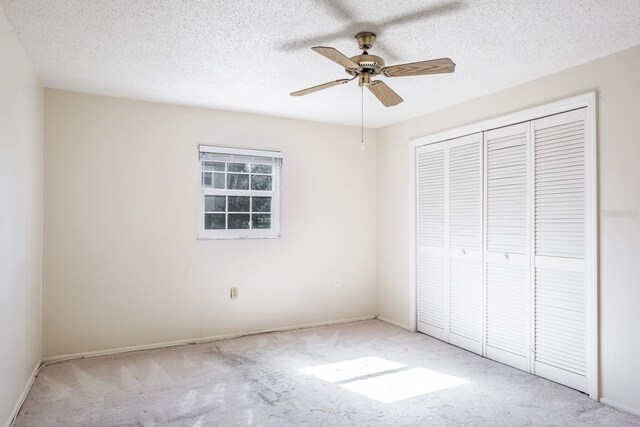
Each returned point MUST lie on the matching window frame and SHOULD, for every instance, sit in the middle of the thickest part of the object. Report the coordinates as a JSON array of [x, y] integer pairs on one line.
[[243, 233]]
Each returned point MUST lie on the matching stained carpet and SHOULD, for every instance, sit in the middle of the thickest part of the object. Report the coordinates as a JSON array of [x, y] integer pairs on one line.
[[359, 374]]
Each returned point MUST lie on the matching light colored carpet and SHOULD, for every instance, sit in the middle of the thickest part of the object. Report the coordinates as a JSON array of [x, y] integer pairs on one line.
[[280, 379]]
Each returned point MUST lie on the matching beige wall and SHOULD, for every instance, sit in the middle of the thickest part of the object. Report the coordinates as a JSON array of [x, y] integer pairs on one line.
[[21, 105], [617, 81], [122, 266]]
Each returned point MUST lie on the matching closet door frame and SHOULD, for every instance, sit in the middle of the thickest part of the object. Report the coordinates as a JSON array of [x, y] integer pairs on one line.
[[588, 101]]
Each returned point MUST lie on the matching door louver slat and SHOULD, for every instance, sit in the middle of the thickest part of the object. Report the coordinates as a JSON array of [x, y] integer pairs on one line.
[[507, 238], [465, 298], [464, 194], [559, 231], [559, 312], [567, 182], [507, 308], [431, 198], [464, 197], [432, 299], [507, 170], [432, 310]]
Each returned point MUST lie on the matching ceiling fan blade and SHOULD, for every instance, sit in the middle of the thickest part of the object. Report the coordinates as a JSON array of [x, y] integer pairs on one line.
[[433, 66], [320, 87], [336, 56], [385, 94]]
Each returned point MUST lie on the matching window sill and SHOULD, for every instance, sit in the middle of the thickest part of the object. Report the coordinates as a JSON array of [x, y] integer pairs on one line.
[[239, 237]]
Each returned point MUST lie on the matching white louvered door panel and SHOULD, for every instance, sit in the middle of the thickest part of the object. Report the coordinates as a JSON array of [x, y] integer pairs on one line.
[[465, 241], [431, 176], [507, 287], [560, 287]]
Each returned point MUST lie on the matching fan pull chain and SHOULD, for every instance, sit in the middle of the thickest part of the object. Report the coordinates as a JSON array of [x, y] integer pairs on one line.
[[362, 118]]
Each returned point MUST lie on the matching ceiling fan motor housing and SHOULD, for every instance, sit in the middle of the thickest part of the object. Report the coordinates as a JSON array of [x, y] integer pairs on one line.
[[368, 64], [371, 64], [365, 40]]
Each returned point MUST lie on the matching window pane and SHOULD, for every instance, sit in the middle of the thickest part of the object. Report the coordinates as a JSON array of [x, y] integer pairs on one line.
[[214, 221], [261, 168], [238, 221], [239, 203], [261, 182], [206, 179], [237, 182], [213, 166], [214, 203], [261, 221], [238, 167], [261, 204], [218, 181]]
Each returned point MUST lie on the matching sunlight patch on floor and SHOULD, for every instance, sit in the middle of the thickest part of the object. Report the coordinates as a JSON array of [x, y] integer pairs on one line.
[[342, 371], [390, 388], [374, 380]]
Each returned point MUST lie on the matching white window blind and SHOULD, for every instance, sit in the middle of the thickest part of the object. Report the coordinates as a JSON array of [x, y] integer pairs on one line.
[[220, 157]]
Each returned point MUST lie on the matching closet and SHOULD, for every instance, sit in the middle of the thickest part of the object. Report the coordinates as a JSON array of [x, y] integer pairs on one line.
[[504, 229]]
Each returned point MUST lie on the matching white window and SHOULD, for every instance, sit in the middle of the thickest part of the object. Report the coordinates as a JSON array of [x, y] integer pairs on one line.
[[240, 193]]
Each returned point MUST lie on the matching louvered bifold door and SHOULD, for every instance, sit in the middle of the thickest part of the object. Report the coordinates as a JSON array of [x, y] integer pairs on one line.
[[465, 241], [559, 262], [507, 288], [432, 256]]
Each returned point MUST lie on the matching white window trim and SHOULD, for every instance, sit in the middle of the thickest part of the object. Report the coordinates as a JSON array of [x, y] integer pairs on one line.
[[272, 233]]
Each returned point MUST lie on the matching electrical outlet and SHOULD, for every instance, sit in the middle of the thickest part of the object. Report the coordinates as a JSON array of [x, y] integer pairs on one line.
[[233, 293], [338, 283]]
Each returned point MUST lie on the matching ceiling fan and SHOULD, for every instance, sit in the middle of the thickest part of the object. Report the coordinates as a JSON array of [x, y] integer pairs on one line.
[[365, 66]]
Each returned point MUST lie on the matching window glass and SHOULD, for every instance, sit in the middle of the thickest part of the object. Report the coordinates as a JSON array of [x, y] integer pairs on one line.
[[261, 182], [238, 167], [239, 203], [213, 166], [214, 203], [214, 221], [261, 221], [237, 181], [256, 168], [218, 180], [238, 221], [261, 204]]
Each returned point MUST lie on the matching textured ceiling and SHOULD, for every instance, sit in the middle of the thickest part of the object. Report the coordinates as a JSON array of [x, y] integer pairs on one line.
[[247, 55]]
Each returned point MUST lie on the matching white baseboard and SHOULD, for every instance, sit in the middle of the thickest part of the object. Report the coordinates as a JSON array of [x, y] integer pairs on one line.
[[620, 406], [23, 396], [394, 323], [198, 340]]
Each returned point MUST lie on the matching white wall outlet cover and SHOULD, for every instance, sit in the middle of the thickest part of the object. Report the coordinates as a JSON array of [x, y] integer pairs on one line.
[[233, 293]]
